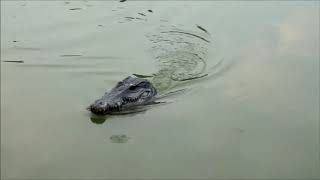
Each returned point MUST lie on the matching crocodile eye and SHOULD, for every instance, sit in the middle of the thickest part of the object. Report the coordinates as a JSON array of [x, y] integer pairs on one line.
[[132, 88], [120, 83]]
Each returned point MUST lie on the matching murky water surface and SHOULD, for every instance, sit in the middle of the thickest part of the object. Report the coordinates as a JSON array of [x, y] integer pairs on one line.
[[256, 114]]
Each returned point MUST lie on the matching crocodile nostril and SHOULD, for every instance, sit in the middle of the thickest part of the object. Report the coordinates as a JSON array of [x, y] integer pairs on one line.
[[101, 103]]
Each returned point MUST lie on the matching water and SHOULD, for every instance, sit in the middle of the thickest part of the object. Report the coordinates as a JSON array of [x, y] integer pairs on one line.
[[256, 116]]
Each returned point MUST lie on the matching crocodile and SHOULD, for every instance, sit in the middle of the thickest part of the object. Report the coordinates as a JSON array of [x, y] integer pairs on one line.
[[128, 95], [181, 55]]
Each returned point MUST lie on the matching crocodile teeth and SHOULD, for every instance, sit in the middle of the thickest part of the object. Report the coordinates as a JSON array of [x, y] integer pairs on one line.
[[116, 107], [129, 99]]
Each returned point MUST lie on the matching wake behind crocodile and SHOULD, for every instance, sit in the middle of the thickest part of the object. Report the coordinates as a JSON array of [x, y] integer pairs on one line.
[[181, 56]]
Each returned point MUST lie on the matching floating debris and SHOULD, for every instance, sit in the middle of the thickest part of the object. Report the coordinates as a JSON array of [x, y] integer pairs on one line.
[[141, 14], [75, 9], [202, 29], [187, 34], [26, 48], [121, 138], [100, 25], [150, 10], [122, 0], [70, 55], [141, 19], [129, 17], [14, 61], [14, 41]]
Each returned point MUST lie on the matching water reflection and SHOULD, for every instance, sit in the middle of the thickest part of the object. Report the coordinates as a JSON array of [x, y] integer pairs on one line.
[[98, 119]]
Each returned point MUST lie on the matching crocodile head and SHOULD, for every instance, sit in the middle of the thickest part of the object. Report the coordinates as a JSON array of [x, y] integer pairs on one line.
[[126, 95]]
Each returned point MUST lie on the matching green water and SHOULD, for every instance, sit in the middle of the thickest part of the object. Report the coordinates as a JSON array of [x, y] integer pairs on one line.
[[256, 118]]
